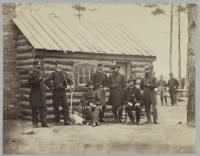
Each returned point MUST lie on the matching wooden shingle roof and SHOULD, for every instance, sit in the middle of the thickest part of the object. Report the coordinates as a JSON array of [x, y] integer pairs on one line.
[[63, 34]]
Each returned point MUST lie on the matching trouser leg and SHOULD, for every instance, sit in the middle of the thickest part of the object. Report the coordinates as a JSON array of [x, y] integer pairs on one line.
[[65, 107], [114, 110], [138, 112], [161, 97], [96, 115], [175, 98], [130, 113], [165, 97], [148, 112], [56, 104], [155, 112], [102, 112], [119, 114], [43, 114], [171, 97], [34, 115]]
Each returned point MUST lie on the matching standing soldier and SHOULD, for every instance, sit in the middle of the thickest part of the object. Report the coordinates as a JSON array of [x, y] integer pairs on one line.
[[60, 81], [91, 101], [149, 96], [162, 89], [37, 95], [99, 78], [117, 84], [173, 86], [133, 99]]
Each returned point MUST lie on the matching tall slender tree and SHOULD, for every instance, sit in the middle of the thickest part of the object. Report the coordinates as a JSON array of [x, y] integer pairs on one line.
[[171, 38], [192, 49]]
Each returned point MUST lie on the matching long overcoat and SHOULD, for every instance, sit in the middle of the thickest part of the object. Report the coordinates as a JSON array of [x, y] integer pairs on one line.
[[149, 96], [117, 84], [37, 92]]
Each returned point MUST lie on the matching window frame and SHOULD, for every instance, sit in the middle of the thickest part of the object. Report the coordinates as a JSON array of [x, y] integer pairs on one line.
[[89, 67]]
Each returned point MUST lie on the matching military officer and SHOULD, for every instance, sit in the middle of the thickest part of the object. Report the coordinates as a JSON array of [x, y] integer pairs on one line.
[[99, 78], [117, 84], [148, 85], [37, 95], [91, 101], [60, 81], [133, 97]]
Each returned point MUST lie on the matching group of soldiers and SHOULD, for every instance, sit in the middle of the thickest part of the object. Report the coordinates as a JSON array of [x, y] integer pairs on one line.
[[123, 95]]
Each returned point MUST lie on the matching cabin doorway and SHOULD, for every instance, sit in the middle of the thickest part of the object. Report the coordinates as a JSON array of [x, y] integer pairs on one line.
[[125, 69]]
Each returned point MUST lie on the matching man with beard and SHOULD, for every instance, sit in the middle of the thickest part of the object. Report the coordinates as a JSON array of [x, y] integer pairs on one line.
[[149, 96], [60, 81], [132, 99], [99, 79], [37, 95], [91, 104], [117, 84]]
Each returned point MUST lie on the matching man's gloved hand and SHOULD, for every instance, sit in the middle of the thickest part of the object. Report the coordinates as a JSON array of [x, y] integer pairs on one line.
[[137, 104], [130, 104], [92, 105]]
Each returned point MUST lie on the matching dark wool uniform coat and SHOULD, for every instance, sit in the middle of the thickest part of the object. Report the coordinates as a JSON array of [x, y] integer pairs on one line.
[[117, 84], [37, 93], [149, 95]]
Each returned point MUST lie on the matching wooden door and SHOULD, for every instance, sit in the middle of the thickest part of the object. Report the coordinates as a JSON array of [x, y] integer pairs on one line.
[[124, 69]]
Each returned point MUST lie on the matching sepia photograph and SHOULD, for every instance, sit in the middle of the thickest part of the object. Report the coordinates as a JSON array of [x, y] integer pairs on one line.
[[99, 78]]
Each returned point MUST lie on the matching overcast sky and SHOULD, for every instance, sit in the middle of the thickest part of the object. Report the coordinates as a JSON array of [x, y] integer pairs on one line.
[[152, 30]]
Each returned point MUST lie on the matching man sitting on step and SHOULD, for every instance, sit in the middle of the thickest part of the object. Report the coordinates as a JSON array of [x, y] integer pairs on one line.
[[132, 99], [91, 104]]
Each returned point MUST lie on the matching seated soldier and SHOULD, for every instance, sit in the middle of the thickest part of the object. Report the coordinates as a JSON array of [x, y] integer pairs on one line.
[[91, 102], [132, 99]]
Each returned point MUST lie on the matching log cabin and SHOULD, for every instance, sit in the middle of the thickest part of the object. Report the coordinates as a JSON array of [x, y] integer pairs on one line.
[[80, 45]]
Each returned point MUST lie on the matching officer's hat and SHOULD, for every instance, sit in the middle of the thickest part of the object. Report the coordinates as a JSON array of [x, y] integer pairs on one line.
[[131, 80], [58, 62], [89, 83], [36, 62], [99, 65], [148, 68], [115, 66]]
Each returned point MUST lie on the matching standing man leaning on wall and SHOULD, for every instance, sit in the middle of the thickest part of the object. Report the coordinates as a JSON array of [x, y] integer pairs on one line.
[[60, 81], [99, 78]]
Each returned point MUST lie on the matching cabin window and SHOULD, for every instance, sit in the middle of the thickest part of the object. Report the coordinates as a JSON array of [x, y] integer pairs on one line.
[[83, 74]]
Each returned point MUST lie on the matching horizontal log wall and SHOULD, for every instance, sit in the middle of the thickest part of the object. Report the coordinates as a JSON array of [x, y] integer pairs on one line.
[[24, 65]]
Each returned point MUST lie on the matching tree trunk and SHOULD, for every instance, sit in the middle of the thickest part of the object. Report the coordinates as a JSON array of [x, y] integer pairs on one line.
[[171, 36], [192, 36], [179, 47]]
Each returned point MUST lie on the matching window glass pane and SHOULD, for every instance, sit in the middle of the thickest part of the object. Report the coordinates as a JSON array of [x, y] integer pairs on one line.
[[81, 80], [87, 71], [86, 79], [81, 71]]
